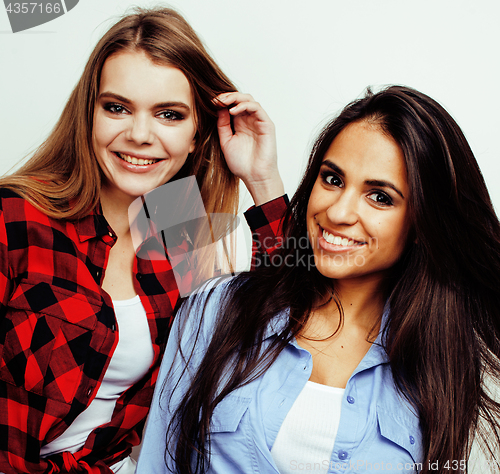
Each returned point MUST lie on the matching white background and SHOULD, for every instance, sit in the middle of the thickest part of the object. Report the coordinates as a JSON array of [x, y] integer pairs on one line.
[[302, 60]]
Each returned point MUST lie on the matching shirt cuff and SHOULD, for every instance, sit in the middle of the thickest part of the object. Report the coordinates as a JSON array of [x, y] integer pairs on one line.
[[271, 211]]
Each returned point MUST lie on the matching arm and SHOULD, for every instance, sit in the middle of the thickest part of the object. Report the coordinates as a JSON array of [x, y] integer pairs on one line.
[[5, 282], [27, 413], [265, 224], [190, 335], [249, 145]]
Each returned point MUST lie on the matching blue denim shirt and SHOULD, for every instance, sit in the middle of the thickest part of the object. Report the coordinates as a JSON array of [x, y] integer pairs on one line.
[[378, 430]]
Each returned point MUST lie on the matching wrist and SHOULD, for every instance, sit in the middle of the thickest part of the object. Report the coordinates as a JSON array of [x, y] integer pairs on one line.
[[265, 190]]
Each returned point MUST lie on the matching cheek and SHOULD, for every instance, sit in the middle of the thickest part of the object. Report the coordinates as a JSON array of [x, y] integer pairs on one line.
[[314, 204], [395, 235], [178, 142], [310, 218], [102, 132], [193, 136], [311, 223]]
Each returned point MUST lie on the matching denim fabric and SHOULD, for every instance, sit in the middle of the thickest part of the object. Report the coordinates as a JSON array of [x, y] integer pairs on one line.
[[378, 431]]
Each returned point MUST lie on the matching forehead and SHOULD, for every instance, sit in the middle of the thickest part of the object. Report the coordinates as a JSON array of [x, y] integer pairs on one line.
[[135, 76], [364, 151]]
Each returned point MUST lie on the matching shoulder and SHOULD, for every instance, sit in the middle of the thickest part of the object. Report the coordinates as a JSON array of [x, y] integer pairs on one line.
[[6, 193], [15, 205], [215, 293], [203, 306], [199, 317], [9, 198], [222, 296], [192, 331], [24, 226], [15, 211], [18, 212]]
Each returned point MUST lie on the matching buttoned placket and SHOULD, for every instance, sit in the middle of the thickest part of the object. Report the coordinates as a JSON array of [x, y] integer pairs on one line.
[[347, 439], [350, 411]]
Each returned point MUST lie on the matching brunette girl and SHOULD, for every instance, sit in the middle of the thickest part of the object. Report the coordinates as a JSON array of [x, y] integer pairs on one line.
[[84, 314], [364, 345]]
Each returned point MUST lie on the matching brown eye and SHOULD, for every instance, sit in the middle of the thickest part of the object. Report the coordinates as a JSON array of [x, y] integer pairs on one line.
[[381, 198], [331, 179]]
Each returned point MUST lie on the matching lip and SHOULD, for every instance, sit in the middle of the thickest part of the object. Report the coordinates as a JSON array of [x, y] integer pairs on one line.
[[137, 168], [328, 247]]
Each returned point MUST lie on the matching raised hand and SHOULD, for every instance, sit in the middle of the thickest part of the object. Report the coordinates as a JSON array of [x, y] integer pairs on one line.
[[249, 145]]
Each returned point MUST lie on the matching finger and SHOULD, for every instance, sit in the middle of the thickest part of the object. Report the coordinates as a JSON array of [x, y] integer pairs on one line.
[[224, 125], [228, 98], [252, 108]]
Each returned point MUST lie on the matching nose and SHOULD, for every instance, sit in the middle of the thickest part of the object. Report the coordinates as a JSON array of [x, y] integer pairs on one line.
[[344, 209], [140, 130]]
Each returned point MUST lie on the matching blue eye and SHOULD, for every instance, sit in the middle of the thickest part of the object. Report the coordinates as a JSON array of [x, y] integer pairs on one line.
[[115, 108], [170, 115], [381, 198]]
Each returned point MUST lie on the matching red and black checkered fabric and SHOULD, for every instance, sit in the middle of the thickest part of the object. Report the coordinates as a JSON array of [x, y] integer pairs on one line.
[[265, 222], [58, 333]]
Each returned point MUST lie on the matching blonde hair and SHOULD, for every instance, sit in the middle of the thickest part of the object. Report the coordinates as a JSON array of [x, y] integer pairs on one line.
[[63, 179]]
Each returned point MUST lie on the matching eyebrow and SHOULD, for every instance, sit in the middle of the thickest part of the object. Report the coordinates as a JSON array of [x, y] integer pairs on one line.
[[160, 105], [334, 167], [371, 182], [384, 184]]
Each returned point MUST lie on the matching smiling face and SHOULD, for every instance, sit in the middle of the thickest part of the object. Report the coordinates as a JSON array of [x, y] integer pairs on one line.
[[144, 125], [357, 216]]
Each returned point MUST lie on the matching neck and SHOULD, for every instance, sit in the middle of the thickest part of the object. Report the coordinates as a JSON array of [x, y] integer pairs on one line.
[[362, 302], [116, 211]]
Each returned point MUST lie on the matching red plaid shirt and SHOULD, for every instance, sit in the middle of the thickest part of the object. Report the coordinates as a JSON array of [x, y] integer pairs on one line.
[[58, 332]]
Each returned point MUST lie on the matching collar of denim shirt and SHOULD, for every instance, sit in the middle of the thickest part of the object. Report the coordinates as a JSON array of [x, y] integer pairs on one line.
[[376, 354]]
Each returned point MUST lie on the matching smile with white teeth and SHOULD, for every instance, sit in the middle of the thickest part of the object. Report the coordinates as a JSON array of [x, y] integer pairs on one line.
[[135, 161], [336, 240]]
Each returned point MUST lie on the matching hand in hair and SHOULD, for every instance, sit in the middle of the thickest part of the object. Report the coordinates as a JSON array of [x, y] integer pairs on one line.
[[248, 141]]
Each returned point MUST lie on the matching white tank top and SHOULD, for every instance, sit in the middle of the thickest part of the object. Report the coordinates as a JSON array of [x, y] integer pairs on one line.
[[308, 432], [131, 360]]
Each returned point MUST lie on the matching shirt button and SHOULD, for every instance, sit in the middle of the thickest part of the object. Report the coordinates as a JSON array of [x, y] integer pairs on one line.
[[110, 234], [412, 440], [139, 276], [350, 399], [305, 367], [97, 273], [113, 328], [343, 455], [89, 391]]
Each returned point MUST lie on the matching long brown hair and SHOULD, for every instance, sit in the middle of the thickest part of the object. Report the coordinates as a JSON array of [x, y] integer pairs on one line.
[[63, 178], [443, 329], [64, 167]]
